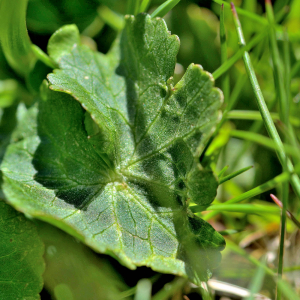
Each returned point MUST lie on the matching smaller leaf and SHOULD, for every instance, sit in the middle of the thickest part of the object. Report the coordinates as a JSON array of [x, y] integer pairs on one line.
[[201, 189], [8, 92], [21, 256], [62, 41]]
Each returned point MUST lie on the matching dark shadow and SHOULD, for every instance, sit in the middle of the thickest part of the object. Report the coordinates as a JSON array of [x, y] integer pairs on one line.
[[64, 160], [7, 125]]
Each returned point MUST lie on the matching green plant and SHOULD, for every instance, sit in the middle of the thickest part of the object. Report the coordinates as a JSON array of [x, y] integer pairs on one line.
[[126, 155]]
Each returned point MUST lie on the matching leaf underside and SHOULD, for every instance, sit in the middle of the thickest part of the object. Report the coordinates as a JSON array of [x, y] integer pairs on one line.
[[119, 166]]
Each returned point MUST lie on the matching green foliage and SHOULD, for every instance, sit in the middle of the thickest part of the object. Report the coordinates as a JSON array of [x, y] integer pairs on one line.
[[108, 132], [122, 171], [21, 251]]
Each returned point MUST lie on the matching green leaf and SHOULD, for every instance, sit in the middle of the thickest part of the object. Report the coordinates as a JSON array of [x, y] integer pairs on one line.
[[14, 38], [21, 256], [67, 260], [119, 166], [62, 41], [8, 92]]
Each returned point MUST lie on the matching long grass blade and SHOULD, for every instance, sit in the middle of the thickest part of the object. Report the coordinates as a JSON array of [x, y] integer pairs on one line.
[[144, 5], [256, 116], [264, 141], [111, 18], [239, 54], [243, 208], [234, 174], [284, 177], [132, 7], [163, 9], [14, 39], [222, 172], [267, 119], [288, 213], [245, 13], [225, 77]]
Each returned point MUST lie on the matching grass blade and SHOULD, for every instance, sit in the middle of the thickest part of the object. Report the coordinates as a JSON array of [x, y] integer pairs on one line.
[[239, 54], [245, 13], [222, 172], [144, 5], [284, 177], [132, 7], [287, 290], [256, 116], [288, 213], [42, 56], [111, 18], [163, 9], [269, 124], [243, 208], [225, 77], [14, 38], [234, 174], [264, 141]]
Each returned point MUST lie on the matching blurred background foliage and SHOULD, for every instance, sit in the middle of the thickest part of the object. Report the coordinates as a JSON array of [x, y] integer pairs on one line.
[[76, 272]]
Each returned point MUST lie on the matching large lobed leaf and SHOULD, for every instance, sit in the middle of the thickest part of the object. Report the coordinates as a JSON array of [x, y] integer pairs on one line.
[[119, 166]]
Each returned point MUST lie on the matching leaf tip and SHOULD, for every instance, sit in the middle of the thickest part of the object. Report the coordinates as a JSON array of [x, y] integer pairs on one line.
[[276, 200], [268, 2], [233, 10]]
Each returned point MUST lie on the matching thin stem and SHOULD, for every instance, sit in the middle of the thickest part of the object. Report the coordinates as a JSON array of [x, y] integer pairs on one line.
[[288, 213], [242, 208], [287, 65], [277, 65], [256, 116], [225, 77], [285, 195], [94, 28], [234, 174], [111, 18], [245, 13], [222, 172], [291, 269], [239, 54], [42, 56]]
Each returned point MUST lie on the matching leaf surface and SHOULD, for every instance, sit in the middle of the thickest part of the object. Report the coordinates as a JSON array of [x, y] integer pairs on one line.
[[21, 256], [119, 166]]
